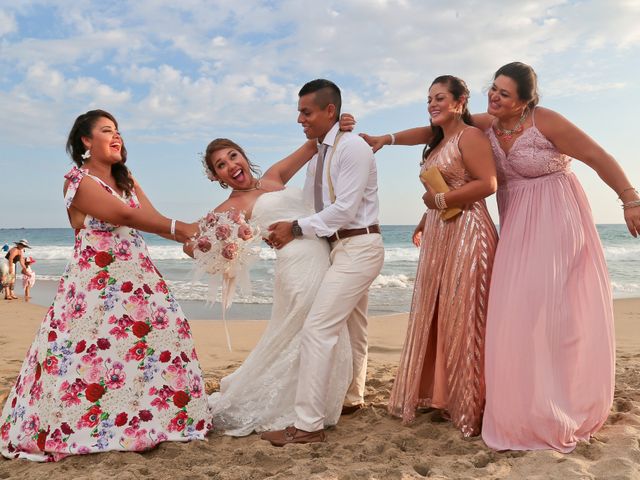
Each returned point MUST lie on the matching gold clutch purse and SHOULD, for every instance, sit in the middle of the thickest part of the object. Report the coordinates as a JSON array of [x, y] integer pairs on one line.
[[433, 178]]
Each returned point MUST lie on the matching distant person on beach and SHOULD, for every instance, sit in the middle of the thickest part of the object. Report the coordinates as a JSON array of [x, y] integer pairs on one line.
[[113, 365], [550, 353], [442, 360], [13, 256], [28, 277], [342, 186]]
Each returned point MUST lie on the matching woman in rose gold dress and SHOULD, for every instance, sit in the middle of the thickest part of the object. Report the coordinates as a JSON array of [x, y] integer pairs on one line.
[[443, 354]]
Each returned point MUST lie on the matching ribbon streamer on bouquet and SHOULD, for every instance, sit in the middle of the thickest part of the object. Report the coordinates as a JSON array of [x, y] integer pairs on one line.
[[228, 283]]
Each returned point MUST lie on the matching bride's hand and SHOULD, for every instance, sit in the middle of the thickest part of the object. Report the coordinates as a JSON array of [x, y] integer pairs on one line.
[[347, 122], [376, 143], [188, 247]]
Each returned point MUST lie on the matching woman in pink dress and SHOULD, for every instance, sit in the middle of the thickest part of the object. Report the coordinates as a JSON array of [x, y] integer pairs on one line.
[[442, 358], [550, 353], [113, 366]]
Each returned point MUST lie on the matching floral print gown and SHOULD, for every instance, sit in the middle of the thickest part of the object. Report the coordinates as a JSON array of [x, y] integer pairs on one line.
[[113, 366]]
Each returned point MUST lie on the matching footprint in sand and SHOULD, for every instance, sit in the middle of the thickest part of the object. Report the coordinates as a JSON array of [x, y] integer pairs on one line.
[[590, 451], [429, 431], [422, 469], [482, 459], [622, 405]]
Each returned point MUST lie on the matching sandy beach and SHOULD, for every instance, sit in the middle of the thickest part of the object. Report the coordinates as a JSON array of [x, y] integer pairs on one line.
[[368, 445]]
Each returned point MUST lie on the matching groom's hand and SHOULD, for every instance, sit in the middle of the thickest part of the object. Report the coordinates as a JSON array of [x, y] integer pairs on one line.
[[280, 234]]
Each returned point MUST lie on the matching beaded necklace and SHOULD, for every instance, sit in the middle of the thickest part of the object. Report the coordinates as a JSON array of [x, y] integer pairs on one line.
[[507, 133]]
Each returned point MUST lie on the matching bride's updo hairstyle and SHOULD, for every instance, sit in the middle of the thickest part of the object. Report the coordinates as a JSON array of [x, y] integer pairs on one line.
[[220, 144], [82, 127], [458, 89]]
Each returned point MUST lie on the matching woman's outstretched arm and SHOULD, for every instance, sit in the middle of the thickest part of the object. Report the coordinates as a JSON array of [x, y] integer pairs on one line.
[[572, 141], [92, 199], [146, 205], [417, 135]]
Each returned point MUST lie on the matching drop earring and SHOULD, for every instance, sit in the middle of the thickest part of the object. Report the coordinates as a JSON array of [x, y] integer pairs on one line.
[[86, 155]]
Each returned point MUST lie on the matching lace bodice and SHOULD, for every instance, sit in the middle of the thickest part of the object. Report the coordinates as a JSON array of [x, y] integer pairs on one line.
[[531, 155]]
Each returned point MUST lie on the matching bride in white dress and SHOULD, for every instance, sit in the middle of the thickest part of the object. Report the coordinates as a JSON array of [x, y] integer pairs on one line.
[[260, 395]]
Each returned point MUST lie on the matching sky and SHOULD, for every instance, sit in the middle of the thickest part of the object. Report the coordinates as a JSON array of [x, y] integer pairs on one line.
[[176, 75]]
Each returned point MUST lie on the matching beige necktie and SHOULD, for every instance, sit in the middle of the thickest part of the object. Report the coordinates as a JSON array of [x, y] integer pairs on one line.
[[317, 184]]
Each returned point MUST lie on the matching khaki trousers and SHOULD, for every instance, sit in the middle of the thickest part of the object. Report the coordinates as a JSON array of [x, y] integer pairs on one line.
[[342, 297]]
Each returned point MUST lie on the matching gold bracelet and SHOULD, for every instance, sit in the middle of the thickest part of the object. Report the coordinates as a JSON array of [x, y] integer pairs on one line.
[[626, 190]]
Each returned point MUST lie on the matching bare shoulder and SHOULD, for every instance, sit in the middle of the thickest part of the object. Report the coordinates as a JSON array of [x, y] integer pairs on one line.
[[271, 182], [471, 137], [547, 116], [550, 123], [271, 176]]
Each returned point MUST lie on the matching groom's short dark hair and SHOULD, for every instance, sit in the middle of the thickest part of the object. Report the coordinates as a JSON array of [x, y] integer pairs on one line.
[[326, 92]]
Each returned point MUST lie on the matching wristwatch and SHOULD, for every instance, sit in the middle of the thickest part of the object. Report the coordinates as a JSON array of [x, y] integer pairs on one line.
[[296, 230]]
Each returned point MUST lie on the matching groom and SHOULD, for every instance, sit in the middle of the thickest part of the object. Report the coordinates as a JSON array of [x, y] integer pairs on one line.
[[342, 184]]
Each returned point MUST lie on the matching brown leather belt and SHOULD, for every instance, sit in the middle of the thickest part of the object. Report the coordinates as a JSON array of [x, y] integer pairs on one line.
[[352, 232]]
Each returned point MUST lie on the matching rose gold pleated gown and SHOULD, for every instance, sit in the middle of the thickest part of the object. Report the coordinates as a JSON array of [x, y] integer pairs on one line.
[[442, 362]]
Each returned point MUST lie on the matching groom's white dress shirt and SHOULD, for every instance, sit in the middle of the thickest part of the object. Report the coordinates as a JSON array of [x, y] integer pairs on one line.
[[354, 177]]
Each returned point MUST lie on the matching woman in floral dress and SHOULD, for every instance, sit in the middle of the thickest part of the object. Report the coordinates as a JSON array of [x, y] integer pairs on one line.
[[113, 366]]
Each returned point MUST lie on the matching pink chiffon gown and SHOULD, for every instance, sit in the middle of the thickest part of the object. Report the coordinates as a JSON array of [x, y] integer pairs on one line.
[[550, 344], [442, 361]]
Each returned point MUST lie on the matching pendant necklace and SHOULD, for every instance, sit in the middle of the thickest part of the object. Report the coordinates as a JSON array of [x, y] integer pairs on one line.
[[251, 189]]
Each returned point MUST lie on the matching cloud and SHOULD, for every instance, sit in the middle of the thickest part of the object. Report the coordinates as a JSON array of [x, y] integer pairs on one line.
[[7, 23], [189, 67]]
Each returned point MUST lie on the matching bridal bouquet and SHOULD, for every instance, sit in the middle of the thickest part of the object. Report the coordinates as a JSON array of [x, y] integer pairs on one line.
[[225, 249]]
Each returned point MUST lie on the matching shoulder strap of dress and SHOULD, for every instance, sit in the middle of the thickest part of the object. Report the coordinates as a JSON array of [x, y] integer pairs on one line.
[[533, 116], [459, 134], [75, 176]]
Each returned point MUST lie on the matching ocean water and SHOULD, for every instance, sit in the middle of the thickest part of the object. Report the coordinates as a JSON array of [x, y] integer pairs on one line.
[[390, 292]]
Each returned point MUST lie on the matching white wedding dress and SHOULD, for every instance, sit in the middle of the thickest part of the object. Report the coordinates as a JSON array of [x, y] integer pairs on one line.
[[260, 395]]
